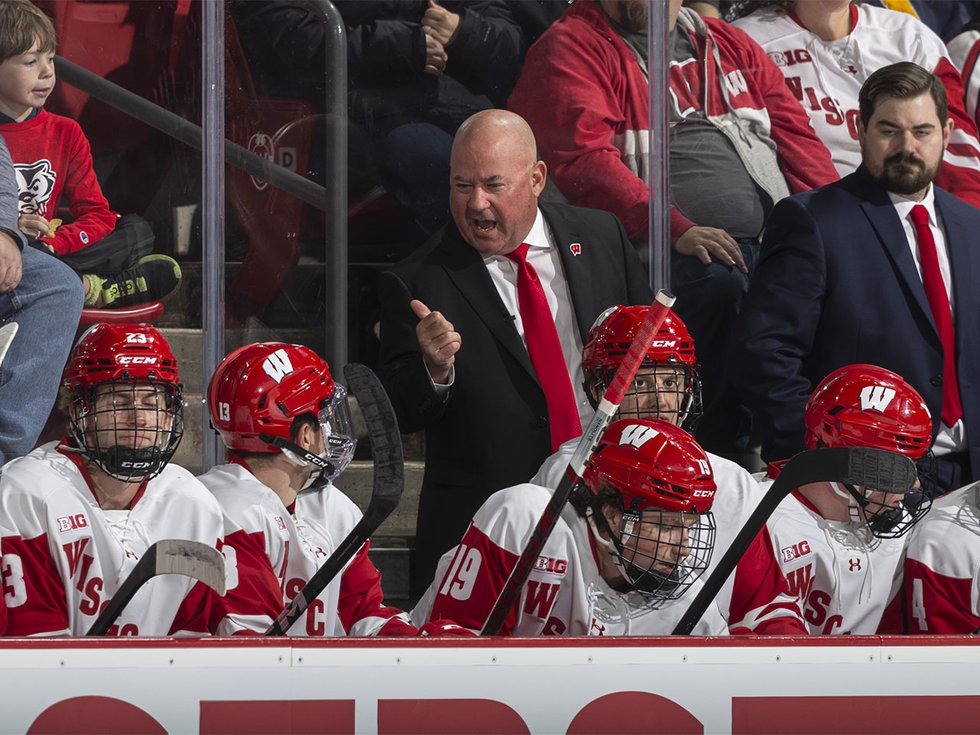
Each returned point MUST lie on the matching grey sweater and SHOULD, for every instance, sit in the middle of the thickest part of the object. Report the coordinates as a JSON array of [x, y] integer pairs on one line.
[[8, 197]]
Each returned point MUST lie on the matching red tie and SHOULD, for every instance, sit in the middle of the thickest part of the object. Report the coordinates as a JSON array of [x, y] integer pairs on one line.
[[932, 279], [545, 349]]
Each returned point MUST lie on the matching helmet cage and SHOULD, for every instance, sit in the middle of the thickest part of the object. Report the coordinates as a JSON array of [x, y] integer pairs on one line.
[[662, 553], [126, 430], [642, 399]]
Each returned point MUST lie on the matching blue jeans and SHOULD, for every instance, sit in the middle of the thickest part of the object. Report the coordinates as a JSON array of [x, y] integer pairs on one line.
[[46, 305]]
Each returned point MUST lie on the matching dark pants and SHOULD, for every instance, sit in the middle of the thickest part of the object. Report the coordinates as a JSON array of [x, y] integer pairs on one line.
[[708, 300]]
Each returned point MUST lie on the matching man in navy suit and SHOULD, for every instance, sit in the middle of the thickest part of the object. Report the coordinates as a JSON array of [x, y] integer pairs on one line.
[[454, 350], [857, 272]]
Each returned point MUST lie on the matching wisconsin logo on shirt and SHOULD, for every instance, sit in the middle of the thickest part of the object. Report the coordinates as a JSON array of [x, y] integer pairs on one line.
[[35, 182]]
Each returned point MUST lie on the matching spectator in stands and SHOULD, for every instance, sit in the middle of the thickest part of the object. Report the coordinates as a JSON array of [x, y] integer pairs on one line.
[[877, 268], [45, 299], [840, 545], [493, 372], [52, 158], [826, 50], [77, 514], [739, 143], [288, 432], [416, 70], [964, 50], [624, 558], [755, 598], [946, 18]]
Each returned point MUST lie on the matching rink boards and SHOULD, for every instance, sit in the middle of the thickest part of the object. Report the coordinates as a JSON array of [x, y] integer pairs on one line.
[[589, 685]]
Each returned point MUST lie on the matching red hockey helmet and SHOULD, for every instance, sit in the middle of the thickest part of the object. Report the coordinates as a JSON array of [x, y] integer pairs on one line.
[[672, 350], [125, 406], [258, 391], [868, 406], [666, 487], [652, 464]]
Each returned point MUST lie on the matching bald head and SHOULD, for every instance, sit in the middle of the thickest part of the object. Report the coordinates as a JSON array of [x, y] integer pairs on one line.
[[495, 181], [497, 128]]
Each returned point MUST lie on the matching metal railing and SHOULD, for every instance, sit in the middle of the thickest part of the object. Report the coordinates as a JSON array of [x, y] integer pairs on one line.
[[330, 198]]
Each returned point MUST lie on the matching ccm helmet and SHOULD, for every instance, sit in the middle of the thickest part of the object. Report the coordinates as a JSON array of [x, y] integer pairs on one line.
[[671, 354], [125, 409], [258, 392], [661, 483]]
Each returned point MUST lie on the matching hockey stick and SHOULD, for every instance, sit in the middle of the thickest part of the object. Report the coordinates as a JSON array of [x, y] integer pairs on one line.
[[171, 556], [576, 466], [878, 469], [389, 481], [7, 333]]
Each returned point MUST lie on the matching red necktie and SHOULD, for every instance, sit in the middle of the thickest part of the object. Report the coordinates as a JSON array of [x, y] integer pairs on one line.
[[544, 348], [932, 279]]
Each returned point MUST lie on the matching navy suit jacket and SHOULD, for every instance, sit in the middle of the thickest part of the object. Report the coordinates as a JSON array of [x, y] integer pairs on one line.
[[492, 429], [836, 284]]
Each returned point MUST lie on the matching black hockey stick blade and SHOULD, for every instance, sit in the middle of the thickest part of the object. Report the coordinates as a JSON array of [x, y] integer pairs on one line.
[[873, 468], [389, 481], [606, 410], [171, 556]]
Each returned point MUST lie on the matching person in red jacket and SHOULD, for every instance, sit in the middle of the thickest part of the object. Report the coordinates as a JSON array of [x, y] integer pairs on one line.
[[739, 142], [53, 159]]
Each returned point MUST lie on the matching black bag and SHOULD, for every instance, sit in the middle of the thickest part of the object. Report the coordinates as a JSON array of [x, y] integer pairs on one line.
[[121, 248]]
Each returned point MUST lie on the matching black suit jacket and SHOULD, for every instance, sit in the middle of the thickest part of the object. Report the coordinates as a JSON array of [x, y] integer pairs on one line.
[[492, 430], [837, 284]]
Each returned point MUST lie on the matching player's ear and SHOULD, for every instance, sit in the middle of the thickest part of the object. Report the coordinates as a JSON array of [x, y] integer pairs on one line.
[[307, 436]]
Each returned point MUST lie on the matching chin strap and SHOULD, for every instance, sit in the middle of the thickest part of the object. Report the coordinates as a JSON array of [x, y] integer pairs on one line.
[[605, 543], [299, 456], [882, 521]]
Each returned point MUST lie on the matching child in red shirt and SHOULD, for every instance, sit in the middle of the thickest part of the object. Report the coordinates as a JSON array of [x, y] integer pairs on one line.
[[52, 157]]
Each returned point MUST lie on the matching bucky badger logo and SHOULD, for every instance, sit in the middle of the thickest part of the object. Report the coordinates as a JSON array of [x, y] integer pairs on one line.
[[35, 182]]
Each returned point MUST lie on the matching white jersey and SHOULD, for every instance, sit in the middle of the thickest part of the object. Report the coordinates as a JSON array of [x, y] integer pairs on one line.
[[755, 598], [941, 586], [826, 77], [964, 50], [842, 576], [564, 594], [279, 549], [64, 556]]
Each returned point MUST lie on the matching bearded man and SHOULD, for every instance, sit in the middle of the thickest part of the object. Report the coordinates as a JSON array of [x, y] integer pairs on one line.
[[877, 268]]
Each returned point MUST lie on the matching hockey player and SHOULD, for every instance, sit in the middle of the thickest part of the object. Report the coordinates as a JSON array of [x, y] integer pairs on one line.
[[755, 599], [622, 555], [840, 546], [288, 432], [76, 515], [940, 592]]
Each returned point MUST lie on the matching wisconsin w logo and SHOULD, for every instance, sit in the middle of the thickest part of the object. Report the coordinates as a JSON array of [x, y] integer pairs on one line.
[[277, 365], [876, 397], [637, 435]]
